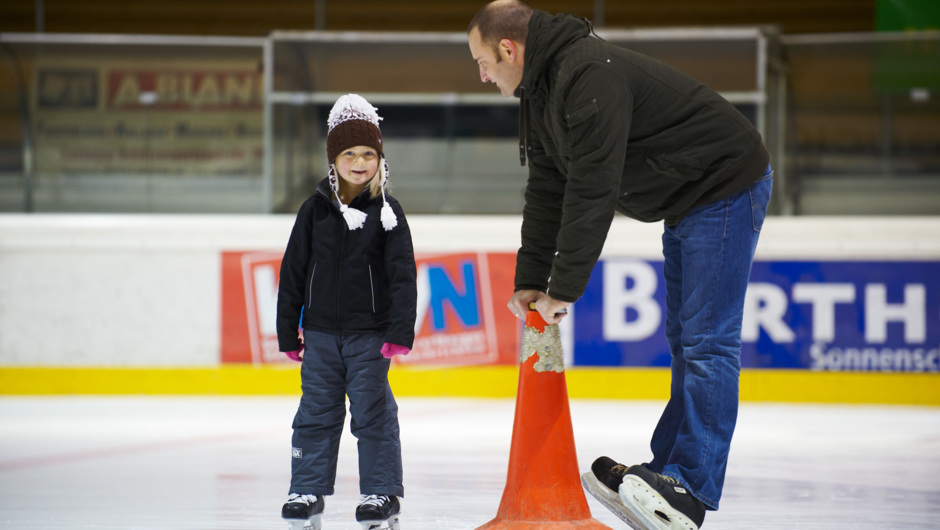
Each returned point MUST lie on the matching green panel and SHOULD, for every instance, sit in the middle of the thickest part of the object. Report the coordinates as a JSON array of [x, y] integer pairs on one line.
[[907, 15], [901, 66]]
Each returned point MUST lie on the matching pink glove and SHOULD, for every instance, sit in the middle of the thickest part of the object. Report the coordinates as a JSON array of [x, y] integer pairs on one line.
[[296, 355], [390, 350]]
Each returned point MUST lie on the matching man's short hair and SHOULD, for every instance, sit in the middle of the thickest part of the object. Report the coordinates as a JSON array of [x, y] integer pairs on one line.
[[502, 19]]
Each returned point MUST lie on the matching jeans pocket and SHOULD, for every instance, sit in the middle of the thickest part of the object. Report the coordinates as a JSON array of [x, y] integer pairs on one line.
[[759, 193]]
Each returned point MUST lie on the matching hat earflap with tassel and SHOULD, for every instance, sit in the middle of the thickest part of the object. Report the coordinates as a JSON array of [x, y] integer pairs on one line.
[[389, 220]]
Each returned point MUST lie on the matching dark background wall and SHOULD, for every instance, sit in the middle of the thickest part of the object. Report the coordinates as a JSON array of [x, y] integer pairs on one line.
[[258, 17]]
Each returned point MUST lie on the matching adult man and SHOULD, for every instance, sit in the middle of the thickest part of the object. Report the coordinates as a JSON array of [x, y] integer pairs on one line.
[[606, 129]]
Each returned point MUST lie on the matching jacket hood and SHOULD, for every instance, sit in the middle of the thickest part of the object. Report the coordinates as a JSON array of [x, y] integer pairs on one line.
[[548, 34]]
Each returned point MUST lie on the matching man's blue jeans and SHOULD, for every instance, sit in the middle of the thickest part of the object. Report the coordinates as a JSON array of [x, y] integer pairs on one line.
[[707, 264]]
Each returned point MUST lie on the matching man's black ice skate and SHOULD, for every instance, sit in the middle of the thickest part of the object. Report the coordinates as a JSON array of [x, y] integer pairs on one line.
[[603, 483], [660, 502], [302, 512], [378, 511]]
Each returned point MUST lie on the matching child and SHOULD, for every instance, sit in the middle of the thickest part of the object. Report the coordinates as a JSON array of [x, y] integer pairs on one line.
[[348, 280]]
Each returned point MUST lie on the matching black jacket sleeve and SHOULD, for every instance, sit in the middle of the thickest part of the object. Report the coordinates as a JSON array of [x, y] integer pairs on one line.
[[290, 291], [566, 217], [401, 275], [598, 111], [541, 218]]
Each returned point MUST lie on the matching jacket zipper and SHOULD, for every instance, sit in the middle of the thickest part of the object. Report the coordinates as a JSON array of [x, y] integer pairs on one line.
[[339, 276], [310, 287], [523, 123], [372, 289]]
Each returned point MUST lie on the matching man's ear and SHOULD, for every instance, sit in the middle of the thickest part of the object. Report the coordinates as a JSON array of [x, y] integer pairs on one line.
[[508, 50]]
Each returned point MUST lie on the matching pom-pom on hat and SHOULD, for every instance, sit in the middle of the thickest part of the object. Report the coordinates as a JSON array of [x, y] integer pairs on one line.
[[353, 121]]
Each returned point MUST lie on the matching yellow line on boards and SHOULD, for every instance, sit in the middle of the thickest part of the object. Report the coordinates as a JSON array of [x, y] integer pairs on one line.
[[473, 381]]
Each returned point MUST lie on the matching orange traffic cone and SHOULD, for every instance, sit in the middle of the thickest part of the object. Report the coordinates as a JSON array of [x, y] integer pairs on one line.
[[543, 487]]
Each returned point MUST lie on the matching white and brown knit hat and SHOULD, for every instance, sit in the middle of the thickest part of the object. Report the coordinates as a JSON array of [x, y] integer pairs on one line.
[[353, 121]]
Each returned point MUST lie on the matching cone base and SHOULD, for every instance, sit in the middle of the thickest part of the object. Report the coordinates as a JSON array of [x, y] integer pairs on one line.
[[581, 524]]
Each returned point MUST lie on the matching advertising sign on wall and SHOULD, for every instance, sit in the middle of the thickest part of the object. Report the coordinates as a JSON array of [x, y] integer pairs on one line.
[[820, 315], [817, 315], [188, 118], [457, 312]]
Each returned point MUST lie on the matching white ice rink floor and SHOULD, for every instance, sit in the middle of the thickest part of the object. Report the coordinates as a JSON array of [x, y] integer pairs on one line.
[[223, 463]]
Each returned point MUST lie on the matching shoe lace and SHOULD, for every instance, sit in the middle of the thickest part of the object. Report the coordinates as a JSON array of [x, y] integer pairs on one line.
[[671, 481], [303, 498], [372, 500]]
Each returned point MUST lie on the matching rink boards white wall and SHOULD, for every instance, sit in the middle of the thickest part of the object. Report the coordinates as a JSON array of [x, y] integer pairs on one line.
[[131, 303]]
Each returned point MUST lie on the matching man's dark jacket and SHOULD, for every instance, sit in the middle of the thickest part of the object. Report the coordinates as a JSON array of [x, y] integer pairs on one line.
[[607, 129], [347, 281]]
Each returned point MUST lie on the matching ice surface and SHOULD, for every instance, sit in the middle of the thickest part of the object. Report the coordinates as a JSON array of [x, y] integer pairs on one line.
[[224, 463]]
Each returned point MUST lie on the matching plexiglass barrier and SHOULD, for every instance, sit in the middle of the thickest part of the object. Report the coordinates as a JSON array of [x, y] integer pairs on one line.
[[131, 124], [208, 124], [451, 140], [864, 123]]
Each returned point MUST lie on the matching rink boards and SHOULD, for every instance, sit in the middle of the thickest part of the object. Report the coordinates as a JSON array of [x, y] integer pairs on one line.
[[838, 309]]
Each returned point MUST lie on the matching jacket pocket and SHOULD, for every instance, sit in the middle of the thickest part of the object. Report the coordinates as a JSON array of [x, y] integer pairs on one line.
[[583, 136]]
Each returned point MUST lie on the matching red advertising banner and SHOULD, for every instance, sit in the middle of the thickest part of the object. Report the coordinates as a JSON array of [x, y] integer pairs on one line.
[[249, 307], [462, 317], [207, 90]]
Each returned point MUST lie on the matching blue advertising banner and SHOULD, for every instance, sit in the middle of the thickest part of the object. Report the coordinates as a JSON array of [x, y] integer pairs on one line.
[[818, 315]]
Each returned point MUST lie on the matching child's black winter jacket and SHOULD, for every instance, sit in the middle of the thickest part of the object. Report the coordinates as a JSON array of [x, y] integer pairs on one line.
[[347, 281]]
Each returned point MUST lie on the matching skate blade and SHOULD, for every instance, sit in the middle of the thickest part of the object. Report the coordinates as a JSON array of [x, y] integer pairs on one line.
[[611, 500], [391, 523], [651, 508], [304, 524]]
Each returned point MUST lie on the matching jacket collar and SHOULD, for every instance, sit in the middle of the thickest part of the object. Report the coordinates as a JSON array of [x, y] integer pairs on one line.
[[323, 188], [548, 35]]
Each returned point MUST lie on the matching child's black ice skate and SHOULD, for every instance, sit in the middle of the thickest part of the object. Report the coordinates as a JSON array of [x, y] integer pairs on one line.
[[659, 501], [302, 512], [378, 511], [603, 483]]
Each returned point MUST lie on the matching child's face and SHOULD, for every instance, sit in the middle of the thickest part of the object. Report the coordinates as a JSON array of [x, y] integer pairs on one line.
[[357, 167]]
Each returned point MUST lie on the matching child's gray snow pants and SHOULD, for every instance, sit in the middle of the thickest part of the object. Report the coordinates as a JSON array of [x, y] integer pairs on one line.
[[335, 367]]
